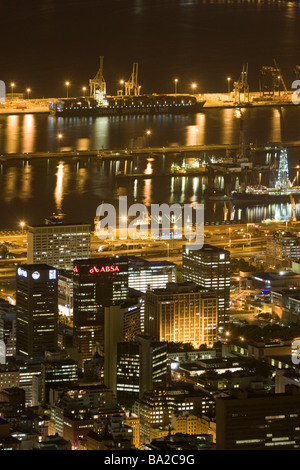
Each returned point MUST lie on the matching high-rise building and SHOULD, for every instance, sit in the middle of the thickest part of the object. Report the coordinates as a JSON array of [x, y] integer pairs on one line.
[[37, 313], [97, 283], [57, 370], [210, 267], [57, 244], [144, 275], [121, 324], [282, 249], [141, 365], [182, 312], [258, 422]]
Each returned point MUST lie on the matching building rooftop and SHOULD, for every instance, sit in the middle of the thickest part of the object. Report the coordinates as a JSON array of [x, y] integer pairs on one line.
[[136, 262], [181, 288]]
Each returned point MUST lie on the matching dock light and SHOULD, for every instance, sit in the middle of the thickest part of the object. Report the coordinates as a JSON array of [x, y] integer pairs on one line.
[[22, 225], [176, 83], [84, 90], [28, 92], [12, 89], [67, 85], [194, 86], [228, 82]]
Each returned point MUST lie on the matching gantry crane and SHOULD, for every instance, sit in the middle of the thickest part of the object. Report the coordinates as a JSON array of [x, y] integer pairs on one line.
[[132, 87], [241, 87], [98, 84]]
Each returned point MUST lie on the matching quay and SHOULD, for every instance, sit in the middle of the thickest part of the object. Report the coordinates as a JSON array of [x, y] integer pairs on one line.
[[212, 101], [124, 154]]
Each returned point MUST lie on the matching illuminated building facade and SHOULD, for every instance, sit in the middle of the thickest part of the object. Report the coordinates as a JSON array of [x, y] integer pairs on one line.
[[282, 250], [37, 312], [258, 422], [58, 245], [97, 283], [210, 267], [122, 323], [182, 312], [141, 365], [144, 275]]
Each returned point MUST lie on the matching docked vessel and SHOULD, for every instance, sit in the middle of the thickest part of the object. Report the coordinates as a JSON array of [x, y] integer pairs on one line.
[[124, 105], [195, 168], [263, 194]]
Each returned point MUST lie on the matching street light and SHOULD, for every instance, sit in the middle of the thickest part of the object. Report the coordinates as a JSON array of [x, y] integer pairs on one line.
[[194, 86], [12, 90], [28, 91], [122, 83], [228, 82], [22, 225], [84, 90], [148, 132], [176, 83], [67, 85]]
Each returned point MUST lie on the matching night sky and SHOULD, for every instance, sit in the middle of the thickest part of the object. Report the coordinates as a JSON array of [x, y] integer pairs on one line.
[[46, 42]]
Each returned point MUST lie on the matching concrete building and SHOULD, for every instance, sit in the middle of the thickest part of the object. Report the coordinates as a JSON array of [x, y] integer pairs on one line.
[[282, 250], [182, 312], [209, 267], [58, 244], [36, 306], [141, 365], [258, 421]]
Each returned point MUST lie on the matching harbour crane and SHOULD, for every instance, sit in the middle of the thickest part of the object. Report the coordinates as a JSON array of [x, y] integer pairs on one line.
[[132, 87], [241, 87], [98, 84]]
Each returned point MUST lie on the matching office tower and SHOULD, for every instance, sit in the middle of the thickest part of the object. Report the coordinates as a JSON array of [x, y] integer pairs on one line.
[[97, 283], [259, 422], [141, 365], [182, 312], [210, 267], [65, 293], [36, 305], [282, 250], [55, 371], [121, 324], [144, 275], [58, 245]]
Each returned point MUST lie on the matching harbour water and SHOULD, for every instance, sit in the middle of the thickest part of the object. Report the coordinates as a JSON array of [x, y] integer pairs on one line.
[[254, 32], [32, 190]]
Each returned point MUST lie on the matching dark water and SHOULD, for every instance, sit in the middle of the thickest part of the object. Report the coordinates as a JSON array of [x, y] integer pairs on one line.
[[47, 42], [31, 191]]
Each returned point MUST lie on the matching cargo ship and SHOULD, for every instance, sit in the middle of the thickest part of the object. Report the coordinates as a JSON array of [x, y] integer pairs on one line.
[[126, 105], [262, 194]]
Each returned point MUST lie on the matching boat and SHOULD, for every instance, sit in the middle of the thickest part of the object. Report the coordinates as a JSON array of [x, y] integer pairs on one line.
[[124, 105], [194, 168], [264, 194]]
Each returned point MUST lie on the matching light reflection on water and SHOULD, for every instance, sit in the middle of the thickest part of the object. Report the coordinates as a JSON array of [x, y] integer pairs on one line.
[[32, 190]]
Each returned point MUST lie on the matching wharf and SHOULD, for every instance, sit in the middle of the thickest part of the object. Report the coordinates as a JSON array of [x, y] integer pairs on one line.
[[212, 101], [124, 154]]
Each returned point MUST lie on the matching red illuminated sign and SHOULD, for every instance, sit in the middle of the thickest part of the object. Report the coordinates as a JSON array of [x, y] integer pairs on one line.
[[103, 269]]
